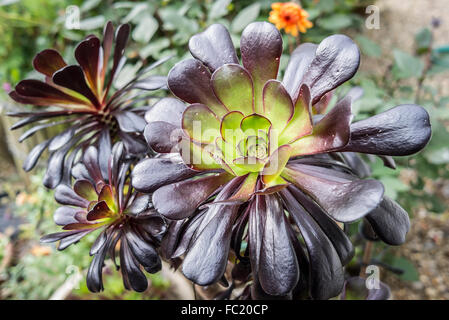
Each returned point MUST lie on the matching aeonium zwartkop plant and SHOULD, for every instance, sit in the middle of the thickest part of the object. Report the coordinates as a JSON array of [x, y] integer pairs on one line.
[[257, 180], [81, 98], [107, 202]]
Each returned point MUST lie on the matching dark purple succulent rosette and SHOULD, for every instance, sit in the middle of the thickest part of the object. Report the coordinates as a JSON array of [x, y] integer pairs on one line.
[[79, 101], [281, 227], [126, 218]]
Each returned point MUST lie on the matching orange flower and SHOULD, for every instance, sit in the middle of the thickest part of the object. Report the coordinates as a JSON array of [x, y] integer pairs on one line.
[[291, 17]]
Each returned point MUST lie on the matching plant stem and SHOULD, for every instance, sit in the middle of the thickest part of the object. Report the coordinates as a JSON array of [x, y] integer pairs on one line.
[[427, 67], [366, 257]]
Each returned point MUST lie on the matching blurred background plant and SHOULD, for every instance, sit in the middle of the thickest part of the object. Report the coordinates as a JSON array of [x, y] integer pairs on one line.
[[411, 74]]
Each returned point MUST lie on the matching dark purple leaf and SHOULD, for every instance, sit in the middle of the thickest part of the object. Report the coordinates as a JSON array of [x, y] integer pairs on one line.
[[72, 77], [87, 53], [336, 60], [99, 211], [121, 39], [134, 143], [321, 106], [79, 171], [213, 47], [48, 62], [343, 199], [329, 134], [30, 132], [66, 196], [34, 155], [53, 237], [190, 81], [206, 260], [163, 137], [388, 161], [256, 222], [189, 227], [65, 215], [261, 49], [104, 152], [62, 139], [94, 278], [71, 239], [99, 243], [278, 267], [301, 291], [297, 66], [151, 83], [168, 110], [390, 222], [326, 270], [40, 93], [400, 131], [90, 160], [170, 239], [55, 166], [179, 200], [139, 204], [357, 164], [133, 277], [336, 235], [151, 174], [129, 121], [108, 38], [143, 251]]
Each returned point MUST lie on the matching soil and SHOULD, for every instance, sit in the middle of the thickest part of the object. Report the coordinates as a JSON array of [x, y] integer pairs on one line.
[[428, 249]]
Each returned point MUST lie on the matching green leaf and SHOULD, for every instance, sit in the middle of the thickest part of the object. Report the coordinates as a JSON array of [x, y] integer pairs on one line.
[[406, 66], [245, 17], [335, 22], [219, 9], [326, 6], [393, 185], [127, 73], [145, 29], [380, 170], [440, 62], [368, 47], [423, 40], [89, 5], [410, 271], [174, 21], [437, 151], [135, 12], [92, 23], [154, 48]]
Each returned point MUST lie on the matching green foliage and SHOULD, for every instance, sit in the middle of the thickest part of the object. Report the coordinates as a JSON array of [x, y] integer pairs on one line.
[[160, 28], [409, 270], [406, 65], [423, 40], [245, 17], [368, 47]]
